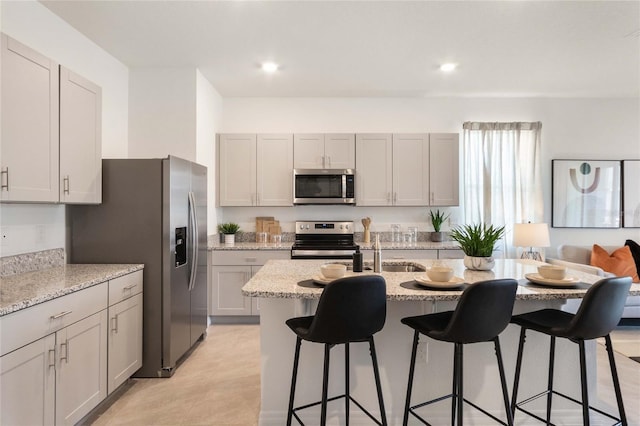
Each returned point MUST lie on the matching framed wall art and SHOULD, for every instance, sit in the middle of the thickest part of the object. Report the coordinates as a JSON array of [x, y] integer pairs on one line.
[[586, 194], [631, 193]]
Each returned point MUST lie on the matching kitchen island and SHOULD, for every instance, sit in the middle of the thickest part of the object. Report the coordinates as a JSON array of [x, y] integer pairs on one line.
[[282, 297]]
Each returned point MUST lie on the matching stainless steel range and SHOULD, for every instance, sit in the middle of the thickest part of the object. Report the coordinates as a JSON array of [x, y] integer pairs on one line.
[[323, 240]]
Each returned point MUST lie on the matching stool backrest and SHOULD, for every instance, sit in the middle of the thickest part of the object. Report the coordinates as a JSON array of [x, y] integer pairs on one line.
[[350, 309], [601, 308], [483, 311]]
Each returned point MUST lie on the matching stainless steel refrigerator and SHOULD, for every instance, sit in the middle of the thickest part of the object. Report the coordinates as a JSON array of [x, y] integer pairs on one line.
[[153, 211]]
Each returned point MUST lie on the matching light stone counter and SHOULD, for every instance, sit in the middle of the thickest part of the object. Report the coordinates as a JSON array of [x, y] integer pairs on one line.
[[23, 290], [279, 279], [281, 298]]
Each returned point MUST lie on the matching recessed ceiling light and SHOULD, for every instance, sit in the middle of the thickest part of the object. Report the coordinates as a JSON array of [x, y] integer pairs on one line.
[[448, 67], [269, 67]]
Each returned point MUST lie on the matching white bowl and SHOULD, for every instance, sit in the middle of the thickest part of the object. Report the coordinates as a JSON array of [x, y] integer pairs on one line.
[[440, 273], [552, 272], [333, 270]]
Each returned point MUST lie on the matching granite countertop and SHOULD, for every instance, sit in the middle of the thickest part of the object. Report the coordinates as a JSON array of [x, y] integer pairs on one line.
[[425, 245], [21, 291], [280, 278]]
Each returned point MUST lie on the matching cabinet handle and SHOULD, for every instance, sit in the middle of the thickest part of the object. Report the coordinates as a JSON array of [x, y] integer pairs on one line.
[[5, 179], [258, 199], [128, 288], [432, 197], [329, 160], [114, 324], [60, 315], [395, 197], [65, 184], [52, 357], [388, 197], [66, 352], [251, 259]]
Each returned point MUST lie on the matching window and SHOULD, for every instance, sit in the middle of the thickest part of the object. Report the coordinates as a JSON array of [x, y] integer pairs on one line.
[[502, 182]]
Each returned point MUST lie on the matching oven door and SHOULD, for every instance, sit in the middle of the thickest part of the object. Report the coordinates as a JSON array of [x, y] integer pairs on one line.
[[323, 186]]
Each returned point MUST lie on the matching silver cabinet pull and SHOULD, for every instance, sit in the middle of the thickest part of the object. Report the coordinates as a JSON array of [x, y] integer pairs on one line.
[[128, 288], [395, 197], [388, 197], [432, 197], [329, 160], [52, 358], [251, 259], [114, 324], [66, 352], [60, 315], [4, 178], [65, 184]]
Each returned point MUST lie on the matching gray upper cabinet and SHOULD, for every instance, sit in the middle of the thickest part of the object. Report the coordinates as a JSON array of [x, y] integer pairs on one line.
[[51, 130], [324, 151]]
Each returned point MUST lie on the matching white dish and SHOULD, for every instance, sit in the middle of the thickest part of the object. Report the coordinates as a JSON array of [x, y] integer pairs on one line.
[[539, 279], [320, 279], [452, 283]]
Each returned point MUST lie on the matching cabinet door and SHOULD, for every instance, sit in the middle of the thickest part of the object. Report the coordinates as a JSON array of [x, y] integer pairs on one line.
[[226, 295], [81, 372], [125, 341], [444, 169], [27, 384], [29, 149], [340, 151], [374, 170], [308, 151], [80, 139], [237, 164], [275, 170], [411, 170]]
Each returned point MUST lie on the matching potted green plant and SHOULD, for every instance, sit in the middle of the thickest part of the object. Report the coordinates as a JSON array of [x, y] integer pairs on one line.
[[477, 242], [437, 219], [229, 230]]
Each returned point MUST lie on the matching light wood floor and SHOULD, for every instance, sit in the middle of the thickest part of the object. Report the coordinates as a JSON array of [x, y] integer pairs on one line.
[[219, 385]]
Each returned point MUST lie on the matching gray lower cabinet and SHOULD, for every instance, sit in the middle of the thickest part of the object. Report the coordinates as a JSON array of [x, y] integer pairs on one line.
[[54, 357], [229, 272]]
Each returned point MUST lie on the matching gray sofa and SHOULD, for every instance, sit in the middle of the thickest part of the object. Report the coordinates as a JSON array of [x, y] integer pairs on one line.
[[579, 257]]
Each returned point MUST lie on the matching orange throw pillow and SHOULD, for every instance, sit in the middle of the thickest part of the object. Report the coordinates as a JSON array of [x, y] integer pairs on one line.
[[620, 262]]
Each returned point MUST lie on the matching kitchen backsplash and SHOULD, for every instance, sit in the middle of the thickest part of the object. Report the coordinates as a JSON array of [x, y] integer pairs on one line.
[[29, 262]]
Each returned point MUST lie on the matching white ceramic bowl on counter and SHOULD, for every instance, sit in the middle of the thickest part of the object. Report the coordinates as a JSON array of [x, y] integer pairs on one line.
[[552, 272], [333, 270]]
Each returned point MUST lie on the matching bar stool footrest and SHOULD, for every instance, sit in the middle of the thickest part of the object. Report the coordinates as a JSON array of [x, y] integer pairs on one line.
[[442, 398], [364, 410], [553, 392]]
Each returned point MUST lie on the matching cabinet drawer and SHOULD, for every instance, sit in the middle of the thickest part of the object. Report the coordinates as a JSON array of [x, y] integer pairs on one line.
[[450, 254], [25, 326], [124, 287], [247, 257]]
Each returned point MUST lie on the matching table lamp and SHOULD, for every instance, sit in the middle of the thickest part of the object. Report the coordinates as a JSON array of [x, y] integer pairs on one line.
[[531, 235]]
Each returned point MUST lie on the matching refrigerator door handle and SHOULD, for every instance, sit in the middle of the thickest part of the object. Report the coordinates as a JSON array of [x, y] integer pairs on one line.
[[194, 241]]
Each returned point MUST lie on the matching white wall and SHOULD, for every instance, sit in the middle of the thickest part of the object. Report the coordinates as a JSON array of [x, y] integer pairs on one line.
[[162, 113], [208, 118], [26, 228], [571, 128]]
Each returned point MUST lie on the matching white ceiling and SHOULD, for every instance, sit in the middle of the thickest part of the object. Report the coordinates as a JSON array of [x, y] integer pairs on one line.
[[385, 48]]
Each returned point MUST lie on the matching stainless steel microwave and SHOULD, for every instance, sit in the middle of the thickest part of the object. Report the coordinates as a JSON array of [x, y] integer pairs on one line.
[[324, 186]]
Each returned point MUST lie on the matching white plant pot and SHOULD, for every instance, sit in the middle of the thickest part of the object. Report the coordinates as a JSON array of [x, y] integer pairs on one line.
[[479, 263], [229, 239]]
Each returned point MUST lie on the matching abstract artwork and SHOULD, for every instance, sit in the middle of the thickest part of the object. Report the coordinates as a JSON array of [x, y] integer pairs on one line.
[[631, 193], [586, 194]]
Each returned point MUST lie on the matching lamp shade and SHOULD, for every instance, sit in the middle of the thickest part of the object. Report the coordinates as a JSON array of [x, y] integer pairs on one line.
[[531, 235]]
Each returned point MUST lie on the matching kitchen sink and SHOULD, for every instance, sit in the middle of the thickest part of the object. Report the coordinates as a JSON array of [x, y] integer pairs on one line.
[[392, 267]]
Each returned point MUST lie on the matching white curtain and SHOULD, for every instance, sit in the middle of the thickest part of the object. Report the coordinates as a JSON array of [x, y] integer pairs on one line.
[[502, 176]]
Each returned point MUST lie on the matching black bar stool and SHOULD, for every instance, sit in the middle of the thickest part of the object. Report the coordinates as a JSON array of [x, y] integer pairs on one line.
[[598, 314], [483, 312], [350, 309]]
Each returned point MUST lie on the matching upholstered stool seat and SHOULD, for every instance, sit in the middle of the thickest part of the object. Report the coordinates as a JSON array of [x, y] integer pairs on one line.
[[482, 313], [597, 315], [350, 310]]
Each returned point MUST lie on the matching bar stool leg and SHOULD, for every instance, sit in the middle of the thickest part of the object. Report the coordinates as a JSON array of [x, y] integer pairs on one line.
[[516, 379], [503, 381], [583, 382], [552, 356], [346, 383], [616, 382], [412, 367], [325, 385], [460, 383], [376, 373], [454, 391], [293, 380]]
